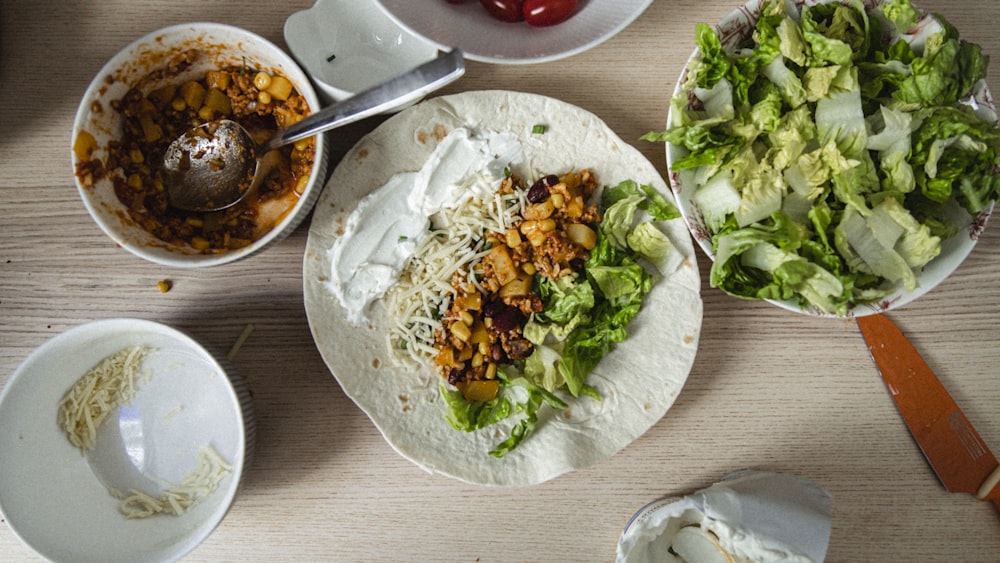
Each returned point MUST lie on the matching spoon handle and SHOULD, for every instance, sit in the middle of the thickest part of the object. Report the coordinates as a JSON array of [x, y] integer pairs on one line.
[[409, 86]]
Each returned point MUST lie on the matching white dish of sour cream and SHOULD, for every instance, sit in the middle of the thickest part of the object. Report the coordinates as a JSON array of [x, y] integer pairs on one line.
[[748, 517]]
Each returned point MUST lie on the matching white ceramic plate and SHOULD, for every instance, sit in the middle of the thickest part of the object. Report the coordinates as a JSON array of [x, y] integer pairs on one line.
[[57, 500], [348, 46], [732, 31], [483, 38]]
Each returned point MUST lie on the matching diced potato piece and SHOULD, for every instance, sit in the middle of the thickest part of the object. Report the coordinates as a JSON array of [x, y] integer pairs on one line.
[[582, 234], [479, 390], [518, 287], [470, 302], [280, 87], [147, 107], [199, 243], [461, 331], [285, 117], [479, 334], [503, 265], [445, 357], [163, 95], [84, 145], [217, 79], [193, 94], [219, 102], [151, 131], [465, 354]]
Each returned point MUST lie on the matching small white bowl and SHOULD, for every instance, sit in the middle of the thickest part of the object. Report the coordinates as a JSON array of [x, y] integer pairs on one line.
[[348, 46], [224, 45], [57, 500]]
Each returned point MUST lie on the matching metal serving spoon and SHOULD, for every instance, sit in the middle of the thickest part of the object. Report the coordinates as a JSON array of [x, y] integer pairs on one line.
[[214, 165]]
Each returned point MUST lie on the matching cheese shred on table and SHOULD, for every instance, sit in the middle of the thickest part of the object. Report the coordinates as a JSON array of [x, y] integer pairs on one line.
[[421, 297], [108, 385]]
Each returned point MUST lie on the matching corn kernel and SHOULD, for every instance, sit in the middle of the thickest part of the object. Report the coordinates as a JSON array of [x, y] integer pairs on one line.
[[300, 185], [539, 210], [557, 200], [164, 286], [199, 243], [195, 222], [491, 371], [513, 238], [178, 104], [263, 97], [206, 113], [262, 80], [537, 238], [135, 155], [134, 181], [529, 268], [467, 318], [477, 360], [547, 225], [302, 144]]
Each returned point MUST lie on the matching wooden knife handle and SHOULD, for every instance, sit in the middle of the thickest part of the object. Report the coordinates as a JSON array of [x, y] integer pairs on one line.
[[990, 489]]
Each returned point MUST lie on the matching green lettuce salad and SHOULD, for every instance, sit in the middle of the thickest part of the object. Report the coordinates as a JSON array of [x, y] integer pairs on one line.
[[833, 150], [584, 316]]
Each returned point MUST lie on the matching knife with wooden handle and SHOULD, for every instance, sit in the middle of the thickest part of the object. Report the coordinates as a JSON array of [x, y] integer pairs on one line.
[[954, 449]]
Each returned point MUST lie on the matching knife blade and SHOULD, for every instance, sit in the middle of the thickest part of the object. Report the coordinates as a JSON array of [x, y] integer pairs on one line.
[[962, 461]]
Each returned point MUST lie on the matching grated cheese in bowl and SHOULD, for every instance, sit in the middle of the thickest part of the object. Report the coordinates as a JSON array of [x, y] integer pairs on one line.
[[111, 384]]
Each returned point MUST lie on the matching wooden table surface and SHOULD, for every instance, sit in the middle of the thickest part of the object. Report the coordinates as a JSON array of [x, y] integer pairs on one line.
[[769, 389]]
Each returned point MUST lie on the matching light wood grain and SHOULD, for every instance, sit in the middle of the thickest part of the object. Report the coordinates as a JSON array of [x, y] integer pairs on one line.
[[769, 389]]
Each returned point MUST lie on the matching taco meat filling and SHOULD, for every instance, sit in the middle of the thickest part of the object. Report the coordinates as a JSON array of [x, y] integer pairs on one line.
[[483, 326]]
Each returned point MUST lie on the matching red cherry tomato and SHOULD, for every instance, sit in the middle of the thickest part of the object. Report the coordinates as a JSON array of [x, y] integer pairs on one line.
[[548, 12], [504, 10]]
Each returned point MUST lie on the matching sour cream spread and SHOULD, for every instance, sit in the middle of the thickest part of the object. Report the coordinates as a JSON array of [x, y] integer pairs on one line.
[[389, 224]]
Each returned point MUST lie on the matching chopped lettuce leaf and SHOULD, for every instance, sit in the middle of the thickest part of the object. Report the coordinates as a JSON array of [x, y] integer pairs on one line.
[[831, 154], [584, 316]]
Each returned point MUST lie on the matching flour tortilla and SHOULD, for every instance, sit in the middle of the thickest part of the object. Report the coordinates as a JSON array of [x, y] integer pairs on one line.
[[639, 381]]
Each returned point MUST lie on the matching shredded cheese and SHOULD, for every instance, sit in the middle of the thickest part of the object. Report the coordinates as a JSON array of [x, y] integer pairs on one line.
[[177, 499], [247, 331], [418, 301], [111, 383], [105, 387]]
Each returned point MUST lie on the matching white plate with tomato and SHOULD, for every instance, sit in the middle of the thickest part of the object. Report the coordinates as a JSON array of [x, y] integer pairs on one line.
[[515, 31]]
